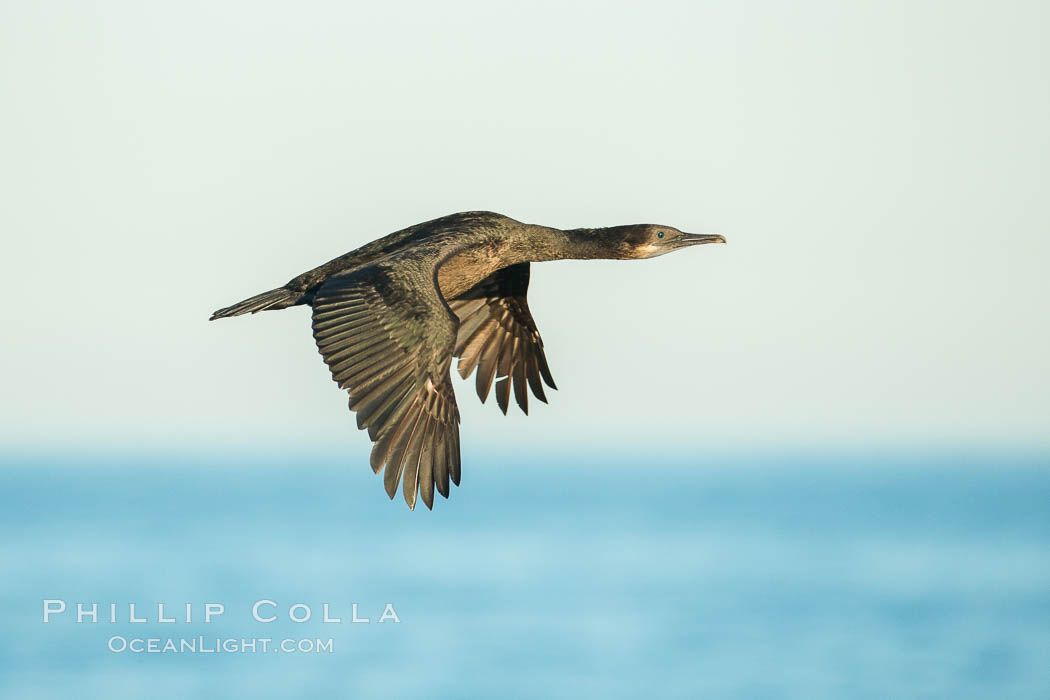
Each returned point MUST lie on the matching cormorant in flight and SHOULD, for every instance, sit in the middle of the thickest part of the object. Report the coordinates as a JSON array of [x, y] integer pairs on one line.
[[389, 317]]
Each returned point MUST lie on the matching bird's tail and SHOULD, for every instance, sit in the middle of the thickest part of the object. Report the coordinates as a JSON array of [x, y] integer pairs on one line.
[[280, 298]]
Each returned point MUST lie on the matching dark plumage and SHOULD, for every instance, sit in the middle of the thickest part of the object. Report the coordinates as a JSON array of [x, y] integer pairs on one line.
[[389, 317]]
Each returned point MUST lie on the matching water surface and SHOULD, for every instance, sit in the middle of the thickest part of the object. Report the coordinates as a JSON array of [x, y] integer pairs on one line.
[[795, 577]]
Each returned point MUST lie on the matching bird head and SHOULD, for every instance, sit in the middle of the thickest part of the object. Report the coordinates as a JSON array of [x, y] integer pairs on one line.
[[640, 241]]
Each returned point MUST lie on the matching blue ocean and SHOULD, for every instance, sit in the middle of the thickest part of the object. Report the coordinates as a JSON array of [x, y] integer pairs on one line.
[[738, 576]]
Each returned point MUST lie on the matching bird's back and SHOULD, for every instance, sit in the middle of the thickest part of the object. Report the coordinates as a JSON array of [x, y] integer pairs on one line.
[[451, 226], [455, 230]]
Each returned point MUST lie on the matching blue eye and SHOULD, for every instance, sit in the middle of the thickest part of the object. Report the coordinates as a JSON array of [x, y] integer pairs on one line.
[[659, 234]]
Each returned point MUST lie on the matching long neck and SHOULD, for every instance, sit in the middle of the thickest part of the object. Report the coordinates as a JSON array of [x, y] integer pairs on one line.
[[542, 243]]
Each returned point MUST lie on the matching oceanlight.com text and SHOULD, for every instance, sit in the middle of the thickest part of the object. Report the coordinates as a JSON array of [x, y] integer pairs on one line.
[[218, 645]]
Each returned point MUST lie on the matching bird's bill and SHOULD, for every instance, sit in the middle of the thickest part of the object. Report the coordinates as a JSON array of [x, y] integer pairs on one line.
[[700, 239]]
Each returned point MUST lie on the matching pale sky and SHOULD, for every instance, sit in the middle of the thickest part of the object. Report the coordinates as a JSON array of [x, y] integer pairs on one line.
[[880, 169]]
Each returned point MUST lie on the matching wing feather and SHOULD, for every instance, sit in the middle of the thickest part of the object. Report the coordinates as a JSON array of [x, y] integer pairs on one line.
[[387, 337], [498, 339]]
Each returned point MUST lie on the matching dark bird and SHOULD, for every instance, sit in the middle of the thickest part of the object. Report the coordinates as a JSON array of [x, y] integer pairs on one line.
[[389, 317]]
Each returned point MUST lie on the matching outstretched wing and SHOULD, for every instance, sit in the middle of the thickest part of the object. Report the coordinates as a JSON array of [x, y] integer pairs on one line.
[[387, 337], [499, 339]]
